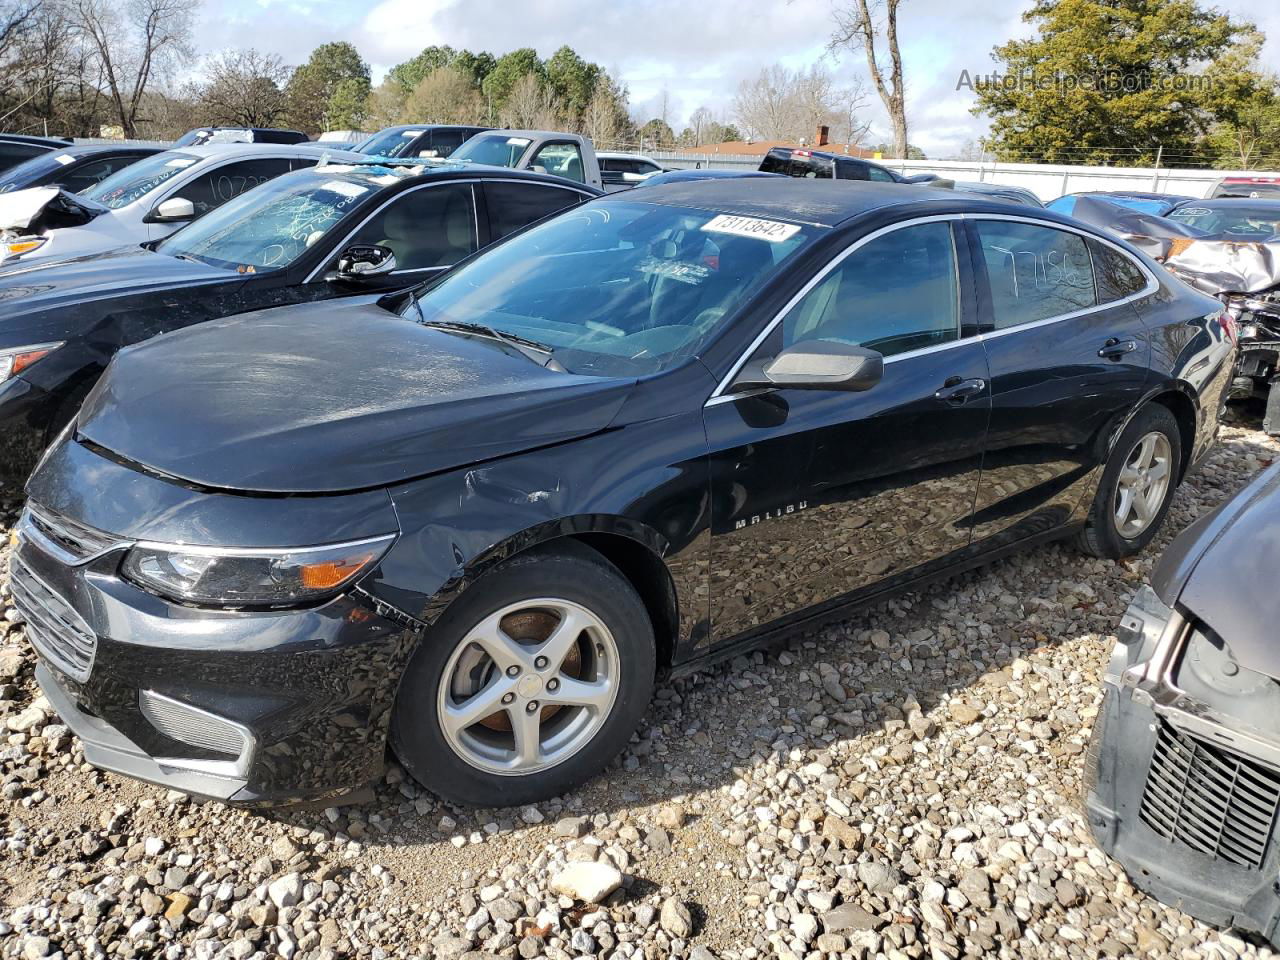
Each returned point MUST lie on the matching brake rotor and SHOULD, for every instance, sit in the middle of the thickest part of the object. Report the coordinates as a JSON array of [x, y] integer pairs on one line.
[[533, 627]]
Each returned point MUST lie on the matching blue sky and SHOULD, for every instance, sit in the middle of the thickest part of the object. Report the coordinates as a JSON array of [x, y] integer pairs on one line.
[[697, 52]]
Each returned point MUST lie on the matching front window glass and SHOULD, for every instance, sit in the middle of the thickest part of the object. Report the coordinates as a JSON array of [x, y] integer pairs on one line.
[[618, 289], [390, 143], [138, 179], [561, 159], [271, 226], [1035, 272], [1260, 221], [427, 228], [895, 293], [496, 149], [33, 171]]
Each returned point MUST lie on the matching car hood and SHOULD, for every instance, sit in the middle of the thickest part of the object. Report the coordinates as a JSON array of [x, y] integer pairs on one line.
[[1222, 570], [323, 398], [47, 283]]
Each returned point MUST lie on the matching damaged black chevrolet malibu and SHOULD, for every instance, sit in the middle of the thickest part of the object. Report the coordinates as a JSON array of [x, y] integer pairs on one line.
[[475, 522], [1183, 772]]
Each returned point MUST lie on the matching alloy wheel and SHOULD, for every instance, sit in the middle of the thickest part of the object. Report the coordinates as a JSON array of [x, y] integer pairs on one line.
[[528, 687], [1143, 484]]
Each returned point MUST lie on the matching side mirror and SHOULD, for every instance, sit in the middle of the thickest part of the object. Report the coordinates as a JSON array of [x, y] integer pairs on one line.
[[364, 260], [815, 365], [173, 210]]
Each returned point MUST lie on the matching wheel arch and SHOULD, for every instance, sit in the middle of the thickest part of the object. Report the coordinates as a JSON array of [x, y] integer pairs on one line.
[[636, 550]]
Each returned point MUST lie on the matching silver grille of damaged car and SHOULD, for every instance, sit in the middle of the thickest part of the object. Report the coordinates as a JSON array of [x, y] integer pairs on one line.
[[1211, 800], [78, 542], [58, 633]]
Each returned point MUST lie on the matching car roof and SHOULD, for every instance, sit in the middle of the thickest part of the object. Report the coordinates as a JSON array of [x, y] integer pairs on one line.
[[801, 200], [537, 134], [89, 149], [360, 168], [621, 154], [432, 126], [209, 150], [39, 141]]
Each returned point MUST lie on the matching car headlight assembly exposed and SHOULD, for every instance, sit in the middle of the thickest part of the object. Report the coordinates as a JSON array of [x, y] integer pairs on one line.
[[233, 577], [17, 359]]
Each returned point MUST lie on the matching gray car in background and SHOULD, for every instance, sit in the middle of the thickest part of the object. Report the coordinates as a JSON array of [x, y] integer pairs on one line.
[[1183, 772]]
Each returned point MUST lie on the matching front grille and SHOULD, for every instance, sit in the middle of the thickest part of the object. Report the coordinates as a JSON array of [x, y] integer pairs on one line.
[[58, 633], [75, 539], [1209, 799]]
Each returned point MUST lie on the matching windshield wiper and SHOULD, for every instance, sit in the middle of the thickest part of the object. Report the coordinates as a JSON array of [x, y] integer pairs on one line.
[[539, 353]]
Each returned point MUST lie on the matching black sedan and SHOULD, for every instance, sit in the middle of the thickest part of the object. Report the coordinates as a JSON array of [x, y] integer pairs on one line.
[[645, 434], [73, 168], [1183, 770], [332, 231], [16, 148]]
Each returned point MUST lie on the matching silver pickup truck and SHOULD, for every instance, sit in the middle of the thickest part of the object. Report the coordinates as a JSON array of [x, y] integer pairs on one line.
[[568, 155]]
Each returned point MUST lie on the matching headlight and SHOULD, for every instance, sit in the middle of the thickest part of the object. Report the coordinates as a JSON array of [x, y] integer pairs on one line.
[[13, 362], [16, 248], [240, 577]]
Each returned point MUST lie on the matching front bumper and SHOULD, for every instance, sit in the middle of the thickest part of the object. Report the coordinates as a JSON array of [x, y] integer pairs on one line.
[[252, 708], [1182, 795]]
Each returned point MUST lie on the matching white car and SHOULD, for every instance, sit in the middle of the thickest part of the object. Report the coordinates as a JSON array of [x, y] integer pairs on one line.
[[622, 170], [147, 200]]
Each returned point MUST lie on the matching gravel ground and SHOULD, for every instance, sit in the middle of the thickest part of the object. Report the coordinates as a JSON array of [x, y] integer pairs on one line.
[[903, 784]]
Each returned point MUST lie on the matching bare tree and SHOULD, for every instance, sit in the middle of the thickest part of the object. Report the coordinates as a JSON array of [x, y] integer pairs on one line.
[[850, 102], [764, 106], [134, 44], [856, 29], [604, 119], [244, 88], [700, 123], [781, 105], [531, 104]]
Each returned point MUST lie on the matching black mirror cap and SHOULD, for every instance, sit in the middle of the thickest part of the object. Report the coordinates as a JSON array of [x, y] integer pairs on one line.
[[815, 365], [363, 260]]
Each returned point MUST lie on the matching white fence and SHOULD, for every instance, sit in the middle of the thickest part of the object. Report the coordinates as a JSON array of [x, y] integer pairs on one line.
[[1045, 180]]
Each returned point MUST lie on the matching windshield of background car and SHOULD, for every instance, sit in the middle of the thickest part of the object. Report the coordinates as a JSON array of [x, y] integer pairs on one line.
[[1248, 190], [37, 168], [390, 143], [269, 227], [798, 165], [1262, 221], [618, 289], [138, 179], [496, 149]]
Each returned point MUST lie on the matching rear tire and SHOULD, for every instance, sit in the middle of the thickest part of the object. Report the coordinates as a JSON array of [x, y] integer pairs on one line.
[[530, 683], [1137, 485]]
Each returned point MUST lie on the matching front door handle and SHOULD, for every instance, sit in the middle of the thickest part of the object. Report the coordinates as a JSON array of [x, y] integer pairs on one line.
[[957, 391], [1115, 348]]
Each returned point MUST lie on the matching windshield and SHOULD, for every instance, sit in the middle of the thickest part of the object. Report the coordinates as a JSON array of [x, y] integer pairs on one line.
[[31, 171], [1262, 220], [390, 143], [496, 149], [798, 164], [138, 179], [1248, 190], [269, 227], [618, 289]]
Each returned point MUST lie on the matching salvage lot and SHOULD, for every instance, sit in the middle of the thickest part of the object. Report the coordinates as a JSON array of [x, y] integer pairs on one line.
[[904, 783]]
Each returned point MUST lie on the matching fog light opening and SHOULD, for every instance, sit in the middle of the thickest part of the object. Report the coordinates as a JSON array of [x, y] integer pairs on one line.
[[198, 728]]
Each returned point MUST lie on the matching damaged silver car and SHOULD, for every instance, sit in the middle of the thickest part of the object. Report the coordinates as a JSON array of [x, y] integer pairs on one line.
[[1183, 772]]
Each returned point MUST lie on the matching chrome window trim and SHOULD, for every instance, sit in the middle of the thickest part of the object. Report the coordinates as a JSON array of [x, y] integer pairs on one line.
[[1153, 285]]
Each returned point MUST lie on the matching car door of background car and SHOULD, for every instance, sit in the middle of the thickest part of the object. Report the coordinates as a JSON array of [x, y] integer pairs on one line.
[[214, 186], [563, 158], [1068, 357], [816, 493]]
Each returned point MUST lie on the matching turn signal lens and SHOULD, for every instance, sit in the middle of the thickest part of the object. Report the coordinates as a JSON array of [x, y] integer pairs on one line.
[[16, 248], [13, 362]]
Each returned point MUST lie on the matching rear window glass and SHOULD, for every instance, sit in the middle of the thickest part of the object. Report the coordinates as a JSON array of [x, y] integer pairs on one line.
[[791, 164], [1035, 272]]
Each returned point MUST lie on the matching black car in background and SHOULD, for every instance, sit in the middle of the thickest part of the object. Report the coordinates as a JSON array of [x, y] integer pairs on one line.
[[73, 168], [821, 165], [202, 135], [1183, 770], [330, 231], [16, 148], [642, 435], [418, 140]]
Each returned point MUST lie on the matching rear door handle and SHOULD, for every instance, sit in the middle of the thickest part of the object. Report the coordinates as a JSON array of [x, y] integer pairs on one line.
[[1116, 348], [957, 391]]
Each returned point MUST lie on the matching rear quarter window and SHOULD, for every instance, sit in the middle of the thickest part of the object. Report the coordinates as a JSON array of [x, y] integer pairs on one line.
[[1117, 275], [1034, 272]]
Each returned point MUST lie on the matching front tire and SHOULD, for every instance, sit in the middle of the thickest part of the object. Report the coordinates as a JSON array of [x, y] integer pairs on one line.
[[1137, 485], [530, 683]]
